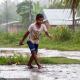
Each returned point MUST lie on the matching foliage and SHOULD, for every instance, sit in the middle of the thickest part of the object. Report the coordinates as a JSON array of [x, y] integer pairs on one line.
[[22, 60], [10, 38], [24, 9], [76, 37], [8, 12], [58, 5], [16, 59], [37, 8], [61, 33], [74, 6], [63, 39], [65, 3]]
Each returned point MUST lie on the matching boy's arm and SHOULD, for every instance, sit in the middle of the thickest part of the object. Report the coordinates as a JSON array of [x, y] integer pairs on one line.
[[24, 37], [46, 32], [48, 35]]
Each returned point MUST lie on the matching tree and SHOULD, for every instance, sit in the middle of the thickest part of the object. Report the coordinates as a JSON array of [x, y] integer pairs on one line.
[[8, 11], [74, 6], [37, 8], [24, 9], [58, 4], [78, 11]]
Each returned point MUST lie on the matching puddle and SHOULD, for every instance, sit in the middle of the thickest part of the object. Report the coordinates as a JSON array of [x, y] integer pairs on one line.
[[49, 72]]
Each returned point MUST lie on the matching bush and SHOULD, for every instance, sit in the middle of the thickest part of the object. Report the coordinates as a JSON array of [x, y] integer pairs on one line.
[[76, 37], [62, 34], [10, 38]]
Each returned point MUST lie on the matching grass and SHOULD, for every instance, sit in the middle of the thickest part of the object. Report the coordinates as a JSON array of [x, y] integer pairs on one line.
[[63, 39], [57, 45], [59, 60], [23, 60]]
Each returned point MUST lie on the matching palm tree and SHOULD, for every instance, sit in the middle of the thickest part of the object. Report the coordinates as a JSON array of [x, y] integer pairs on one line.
[[37, 8], [74, 6]]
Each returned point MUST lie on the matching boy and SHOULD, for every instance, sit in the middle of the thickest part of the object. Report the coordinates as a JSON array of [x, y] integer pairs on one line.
[[33, 34]]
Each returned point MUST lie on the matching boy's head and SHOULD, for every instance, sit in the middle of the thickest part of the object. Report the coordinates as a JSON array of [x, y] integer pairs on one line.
[[39, 18]]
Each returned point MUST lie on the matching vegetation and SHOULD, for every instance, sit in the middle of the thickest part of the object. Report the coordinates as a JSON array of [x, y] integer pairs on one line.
[[22, 60], [24, 9], [63, 39], [73, 4], [28, 10], [8, 11], [37, 8], [57, 5]]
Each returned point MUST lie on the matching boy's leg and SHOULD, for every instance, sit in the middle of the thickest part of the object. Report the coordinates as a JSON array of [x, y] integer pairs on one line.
[[31, 58], [30, 61], [35, 55], [36, 59], [34, 49], [31, 47]]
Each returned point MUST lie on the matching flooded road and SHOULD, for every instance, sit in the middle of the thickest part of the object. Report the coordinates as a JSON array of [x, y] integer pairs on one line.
[[49, 72]]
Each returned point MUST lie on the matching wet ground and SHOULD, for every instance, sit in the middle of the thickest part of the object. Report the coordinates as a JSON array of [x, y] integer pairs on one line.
[[49, 72]]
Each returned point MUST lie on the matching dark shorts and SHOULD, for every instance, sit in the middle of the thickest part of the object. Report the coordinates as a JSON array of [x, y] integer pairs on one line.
[[33, 47]]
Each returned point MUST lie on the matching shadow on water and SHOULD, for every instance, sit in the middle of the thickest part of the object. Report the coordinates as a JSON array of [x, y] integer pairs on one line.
[[14, 79], [3, 79]]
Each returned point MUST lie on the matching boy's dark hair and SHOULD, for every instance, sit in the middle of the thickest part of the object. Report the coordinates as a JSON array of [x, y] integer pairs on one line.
[[39, 16]]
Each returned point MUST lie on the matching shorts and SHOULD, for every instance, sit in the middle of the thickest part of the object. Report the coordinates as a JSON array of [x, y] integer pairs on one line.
[[32, 46]]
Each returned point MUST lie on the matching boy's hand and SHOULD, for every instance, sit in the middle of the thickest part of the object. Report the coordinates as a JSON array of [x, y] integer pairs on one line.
[[21, 43], [50, 37]]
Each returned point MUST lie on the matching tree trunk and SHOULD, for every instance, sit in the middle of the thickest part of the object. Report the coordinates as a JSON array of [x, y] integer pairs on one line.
[[30, 14], [73, 26], [73, 11]]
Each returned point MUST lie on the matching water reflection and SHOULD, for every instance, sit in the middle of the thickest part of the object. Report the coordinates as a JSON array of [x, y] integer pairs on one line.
[[14, 79]]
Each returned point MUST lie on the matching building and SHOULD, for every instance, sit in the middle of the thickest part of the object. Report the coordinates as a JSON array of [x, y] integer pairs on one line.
[[57, 17], [12, 27]]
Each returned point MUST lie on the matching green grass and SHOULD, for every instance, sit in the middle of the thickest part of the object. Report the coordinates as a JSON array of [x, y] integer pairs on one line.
[[63, 39], [17, 59], [57, 45], [58, 60], [21, 60]]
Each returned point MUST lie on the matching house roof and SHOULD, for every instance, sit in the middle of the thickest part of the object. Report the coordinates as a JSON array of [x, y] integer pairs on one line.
[[58, 16], [10, 23]]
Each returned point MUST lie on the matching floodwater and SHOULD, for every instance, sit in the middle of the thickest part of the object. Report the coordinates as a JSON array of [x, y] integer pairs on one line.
[[49, 72]]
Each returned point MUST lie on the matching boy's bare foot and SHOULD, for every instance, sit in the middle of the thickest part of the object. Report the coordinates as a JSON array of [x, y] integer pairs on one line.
[[39, 67], [30, 66]]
